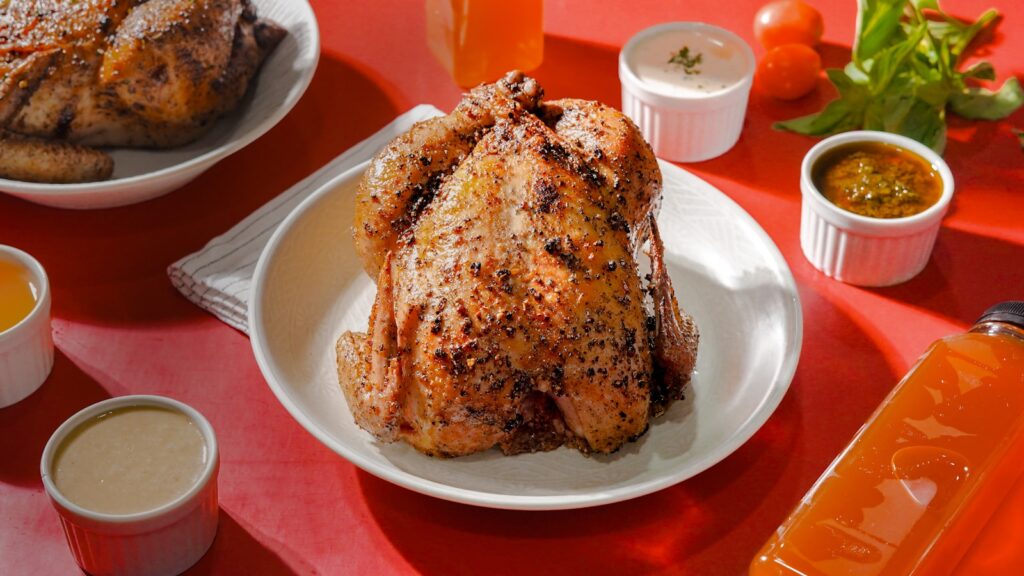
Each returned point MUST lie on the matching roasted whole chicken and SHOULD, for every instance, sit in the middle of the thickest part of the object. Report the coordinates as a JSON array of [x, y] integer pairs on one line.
[[133, 73], [510, 309]]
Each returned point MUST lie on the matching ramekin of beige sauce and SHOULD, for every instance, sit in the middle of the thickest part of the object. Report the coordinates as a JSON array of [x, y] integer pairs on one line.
[[129, 460], [134, 480]]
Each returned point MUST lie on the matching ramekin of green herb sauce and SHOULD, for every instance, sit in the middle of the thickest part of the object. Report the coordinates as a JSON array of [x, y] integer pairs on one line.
[[872, 204]]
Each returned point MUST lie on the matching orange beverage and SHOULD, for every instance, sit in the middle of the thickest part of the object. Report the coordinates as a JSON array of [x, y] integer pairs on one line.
[[918, 482], [479, 40], [17, 294]]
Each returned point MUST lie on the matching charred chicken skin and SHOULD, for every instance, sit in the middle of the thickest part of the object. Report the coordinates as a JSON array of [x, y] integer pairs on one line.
[[510, 311], [139, 73]]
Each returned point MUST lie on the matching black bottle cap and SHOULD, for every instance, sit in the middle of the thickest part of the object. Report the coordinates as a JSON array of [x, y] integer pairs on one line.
[[1011, 312]]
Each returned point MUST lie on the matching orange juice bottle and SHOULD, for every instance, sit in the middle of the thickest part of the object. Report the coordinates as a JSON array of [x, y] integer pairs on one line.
[[919, 480], [479, 40]]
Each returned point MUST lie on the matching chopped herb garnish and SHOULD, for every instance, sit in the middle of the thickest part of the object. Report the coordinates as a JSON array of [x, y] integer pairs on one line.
[[688, 61]]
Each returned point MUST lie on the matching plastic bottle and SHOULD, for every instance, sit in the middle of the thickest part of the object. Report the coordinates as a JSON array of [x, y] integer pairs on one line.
[[912, 490], [479, 40]]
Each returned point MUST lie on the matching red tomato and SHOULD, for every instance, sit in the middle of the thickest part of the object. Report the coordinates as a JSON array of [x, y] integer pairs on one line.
[[789, 71], [787, 22]]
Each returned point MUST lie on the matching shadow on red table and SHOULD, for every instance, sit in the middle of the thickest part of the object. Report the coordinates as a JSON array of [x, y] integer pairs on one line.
[[566, 59], [967, 274], [26, 426], [676, 527], [711, 524], [237, 551], [109, 266], [651, 534]]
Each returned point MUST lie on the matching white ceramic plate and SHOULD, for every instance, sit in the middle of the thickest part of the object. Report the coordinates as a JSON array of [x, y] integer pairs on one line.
[[144, 174], [310, 287]]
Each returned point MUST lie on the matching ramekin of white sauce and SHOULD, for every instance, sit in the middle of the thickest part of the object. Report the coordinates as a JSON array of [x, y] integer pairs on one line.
[[134, 480], [686, 85]]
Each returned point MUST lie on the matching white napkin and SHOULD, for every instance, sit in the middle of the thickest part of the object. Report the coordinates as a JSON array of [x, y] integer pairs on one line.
[[219, 276]]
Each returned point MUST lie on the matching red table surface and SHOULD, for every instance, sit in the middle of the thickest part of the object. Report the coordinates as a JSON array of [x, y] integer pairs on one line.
[[291, 506]]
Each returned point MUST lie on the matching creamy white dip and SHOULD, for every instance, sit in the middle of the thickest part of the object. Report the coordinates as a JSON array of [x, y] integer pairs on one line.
[[722, 63]]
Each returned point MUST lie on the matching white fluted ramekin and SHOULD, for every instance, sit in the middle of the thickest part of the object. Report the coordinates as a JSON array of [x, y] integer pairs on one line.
[[686, 128], [164, 541], [863, 250], [26, 349]]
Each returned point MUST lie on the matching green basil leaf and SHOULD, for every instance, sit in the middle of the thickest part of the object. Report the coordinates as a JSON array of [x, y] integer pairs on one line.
[[839, 115], [963, 38], [984, 104], [980, 70], [888, 112], [935, 93], [925, 70], [855, 73], [924, 123], [878, 21], [890, 61], [844, 83]]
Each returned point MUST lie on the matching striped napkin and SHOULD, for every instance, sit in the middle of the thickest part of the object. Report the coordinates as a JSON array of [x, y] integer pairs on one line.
[[218, 278]]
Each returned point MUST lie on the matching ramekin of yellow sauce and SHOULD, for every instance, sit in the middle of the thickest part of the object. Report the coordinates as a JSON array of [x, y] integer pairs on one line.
[[26, 343]]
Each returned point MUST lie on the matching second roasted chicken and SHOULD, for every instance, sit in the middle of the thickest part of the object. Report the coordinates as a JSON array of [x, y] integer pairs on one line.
[[510, 309], [126, 73]]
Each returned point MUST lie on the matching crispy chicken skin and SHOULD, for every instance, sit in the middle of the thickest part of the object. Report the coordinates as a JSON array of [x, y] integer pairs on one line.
[[510, 312], [609, 141], [153, 73], [405, 176]]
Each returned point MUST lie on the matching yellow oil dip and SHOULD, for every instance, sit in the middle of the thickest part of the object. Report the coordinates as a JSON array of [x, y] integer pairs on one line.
[[18, 294]]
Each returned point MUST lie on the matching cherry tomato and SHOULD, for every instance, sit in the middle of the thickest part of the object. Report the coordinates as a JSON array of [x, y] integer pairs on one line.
[[789, 71], [787, 22]]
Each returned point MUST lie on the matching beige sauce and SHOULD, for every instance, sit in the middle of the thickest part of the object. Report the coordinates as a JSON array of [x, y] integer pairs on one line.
[[712, 63], [130, 460]]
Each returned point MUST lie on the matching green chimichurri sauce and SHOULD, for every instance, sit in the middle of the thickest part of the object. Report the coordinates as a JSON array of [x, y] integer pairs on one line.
[[877, 180]]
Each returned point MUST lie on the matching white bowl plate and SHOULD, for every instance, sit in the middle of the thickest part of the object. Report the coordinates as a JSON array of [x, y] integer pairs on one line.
[[145, 174], [310, 287]]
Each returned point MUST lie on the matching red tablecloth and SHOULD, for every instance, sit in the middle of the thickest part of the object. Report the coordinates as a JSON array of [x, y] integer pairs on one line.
[[290, 505]]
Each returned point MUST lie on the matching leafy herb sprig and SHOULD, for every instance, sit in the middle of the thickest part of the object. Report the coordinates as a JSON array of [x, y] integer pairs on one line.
[[688, 61], [903, 76]]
